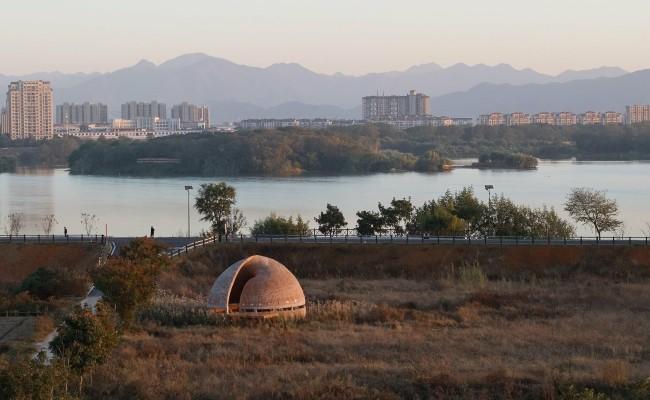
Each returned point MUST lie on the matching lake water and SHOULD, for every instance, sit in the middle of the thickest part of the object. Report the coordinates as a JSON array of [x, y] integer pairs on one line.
[[129, 206]]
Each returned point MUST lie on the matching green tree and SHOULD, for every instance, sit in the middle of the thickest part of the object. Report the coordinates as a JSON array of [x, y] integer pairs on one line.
[[437, 219], [277, 225], [33, 379], [145, 251], [397, 215], [85, 339], [369, 223], [431, 161], [215, 203], [330, 221], [592, 207], [48, 282], [127, 285]]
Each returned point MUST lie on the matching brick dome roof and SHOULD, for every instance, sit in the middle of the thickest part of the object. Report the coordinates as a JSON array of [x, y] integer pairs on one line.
[[257, 285]]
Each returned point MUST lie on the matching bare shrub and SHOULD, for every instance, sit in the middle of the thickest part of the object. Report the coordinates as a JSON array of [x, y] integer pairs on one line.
[[47, 223], [615, 372], [89, 223], [14, 223]]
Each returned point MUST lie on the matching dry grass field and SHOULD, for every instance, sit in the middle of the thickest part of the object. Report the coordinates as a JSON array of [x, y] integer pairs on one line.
[[401, 323], [20, 260]]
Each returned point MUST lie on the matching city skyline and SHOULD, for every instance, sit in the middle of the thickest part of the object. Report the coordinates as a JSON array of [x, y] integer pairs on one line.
[[260, 34]]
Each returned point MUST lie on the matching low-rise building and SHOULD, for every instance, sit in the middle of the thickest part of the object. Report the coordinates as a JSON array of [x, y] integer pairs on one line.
[[517, 119], [493, 119], [544, 118], [590, 118], [612, 118], [565, 119]]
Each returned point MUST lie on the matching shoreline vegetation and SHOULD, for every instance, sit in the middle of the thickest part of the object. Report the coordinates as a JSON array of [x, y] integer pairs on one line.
[[336, 151]]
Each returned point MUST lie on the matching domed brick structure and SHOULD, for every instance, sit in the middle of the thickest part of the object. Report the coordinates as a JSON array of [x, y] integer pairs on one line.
[[260, 287]]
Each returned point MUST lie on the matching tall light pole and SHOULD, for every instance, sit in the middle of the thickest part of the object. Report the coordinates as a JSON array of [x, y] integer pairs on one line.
[[489, 188], [188, 188]]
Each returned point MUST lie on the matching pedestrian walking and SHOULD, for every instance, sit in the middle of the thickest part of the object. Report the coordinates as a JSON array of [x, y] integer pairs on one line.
[[152, 232], [65, 231]]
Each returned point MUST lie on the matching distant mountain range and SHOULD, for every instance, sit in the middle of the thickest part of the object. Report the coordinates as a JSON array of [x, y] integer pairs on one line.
[[234, 91]]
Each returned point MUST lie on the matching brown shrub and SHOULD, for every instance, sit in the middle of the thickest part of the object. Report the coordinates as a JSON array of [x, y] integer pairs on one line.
[[615, 372]]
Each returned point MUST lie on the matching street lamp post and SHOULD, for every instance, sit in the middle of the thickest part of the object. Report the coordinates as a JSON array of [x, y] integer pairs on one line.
[[188, 188], [489, 188]]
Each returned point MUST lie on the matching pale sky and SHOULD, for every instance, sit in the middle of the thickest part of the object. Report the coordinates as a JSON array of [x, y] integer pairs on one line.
[[349, 36]]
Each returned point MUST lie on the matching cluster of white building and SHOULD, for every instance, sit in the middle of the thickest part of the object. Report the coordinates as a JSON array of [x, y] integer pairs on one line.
[[634, 114], [29, 113]]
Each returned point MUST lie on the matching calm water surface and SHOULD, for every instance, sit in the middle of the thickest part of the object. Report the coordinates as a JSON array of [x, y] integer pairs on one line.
[[129, 206]]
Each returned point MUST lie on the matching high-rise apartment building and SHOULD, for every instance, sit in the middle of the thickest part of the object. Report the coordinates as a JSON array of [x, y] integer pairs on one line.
[[4, 122], [384, 108], [636, 114], [29, 110], [81, 114], [135, 110], [191, 116]]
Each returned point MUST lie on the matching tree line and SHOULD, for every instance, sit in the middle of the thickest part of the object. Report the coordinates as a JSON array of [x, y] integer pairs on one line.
[[363, 149], [458, 213]]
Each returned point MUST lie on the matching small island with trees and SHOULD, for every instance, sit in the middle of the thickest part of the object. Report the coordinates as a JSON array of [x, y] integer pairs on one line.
[[502, 160]]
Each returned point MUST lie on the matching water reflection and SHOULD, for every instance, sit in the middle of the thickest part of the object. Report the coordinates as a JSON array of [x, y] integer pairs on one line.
[[129, 206]]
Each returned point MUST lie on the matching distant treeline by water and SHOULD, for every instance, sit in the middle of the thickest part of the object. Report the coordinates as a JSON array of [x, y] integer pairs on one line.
[[337, 151], [356, 150]]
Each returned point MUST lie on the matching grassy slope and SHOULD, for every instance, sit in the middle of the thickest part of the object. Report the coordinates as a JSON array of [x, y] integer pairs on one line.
[[390, 322]]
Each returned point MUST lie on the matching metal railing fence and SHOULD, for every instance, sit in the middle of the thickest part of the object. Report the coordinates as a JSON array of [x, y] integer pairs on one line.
[[58, 239], [410, 239]]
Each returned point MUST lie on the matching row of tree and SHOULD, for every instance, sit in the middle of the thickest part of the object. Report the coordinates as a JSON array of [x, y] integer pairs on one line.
[[453, 214], [14, 223]]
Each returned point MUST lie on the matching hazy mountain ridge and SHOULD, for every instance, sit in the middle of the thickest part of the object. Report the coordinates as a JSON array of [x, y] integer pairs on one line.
[[235, 91], [600, 94]]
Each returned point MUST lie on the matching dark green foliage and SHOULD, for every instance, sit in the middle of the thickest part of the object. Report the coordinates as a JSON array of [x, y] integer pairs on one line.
[[363, 149], [331, 220], [369, 223], [47, 282], [86, 339], [277, 225], [127, 286], [395, 218], [145, 251], [507, 160], [215, 203], [48, 153], [461, 213], [7, 164], [33, 379], [611, 142], [431, 161]]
